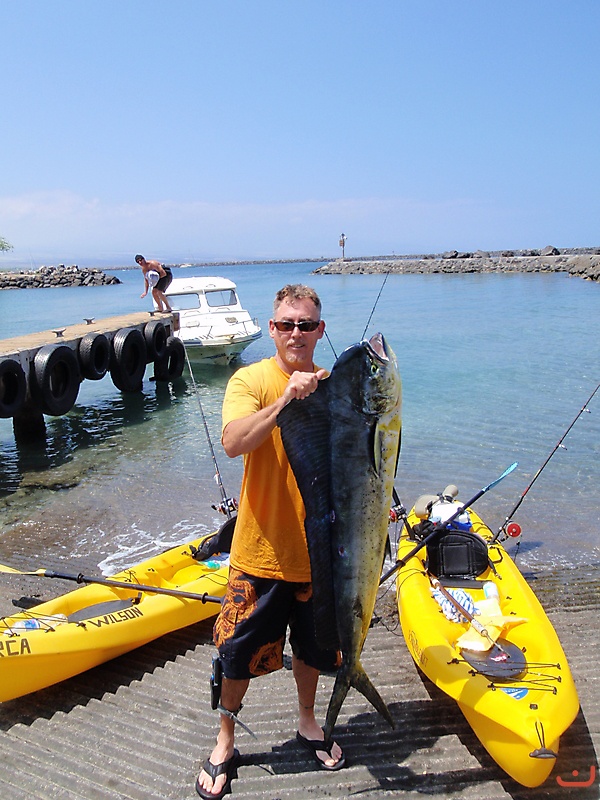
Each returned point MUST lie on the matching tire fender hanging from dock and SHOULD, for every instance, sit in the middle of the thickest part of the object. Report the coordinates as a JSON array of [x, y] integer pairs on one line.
[[171, 365], [94, 356], [56, 379], [128, 359], [13, 387], [155, 335]]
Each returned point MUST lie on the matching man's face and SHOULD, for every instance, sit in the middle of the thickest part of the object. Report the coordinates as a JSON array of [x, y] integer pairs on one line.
[[295, 348]]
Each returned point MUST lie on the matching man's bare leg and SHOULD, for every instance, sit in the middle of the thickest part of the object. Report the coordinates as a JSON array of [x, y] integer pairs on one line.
[[232, 694], [307, 679], [161, 300]]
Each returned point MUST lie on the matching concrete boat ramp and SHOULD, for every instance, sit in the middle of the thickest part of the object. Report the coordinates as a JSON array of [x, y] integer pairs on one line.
[[138, 727]]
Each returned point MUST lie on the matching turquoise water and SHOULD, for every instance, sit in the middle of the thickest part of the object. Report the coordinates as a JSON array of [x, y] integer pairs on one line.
[[494, 368]]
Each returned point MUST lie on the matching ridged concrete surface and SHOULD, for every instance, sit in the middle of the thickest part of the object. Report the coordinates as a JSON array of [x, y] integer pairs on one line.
[[139, 727]]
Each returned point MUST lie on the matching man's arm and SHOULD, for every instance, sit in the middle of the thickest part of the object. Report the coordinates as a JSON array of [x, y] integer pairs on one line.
[[246, 434]]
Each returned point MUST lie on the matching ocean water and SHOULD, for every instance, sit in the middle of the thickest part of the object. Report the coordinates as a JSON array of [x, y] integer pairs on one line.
[[494, 367]]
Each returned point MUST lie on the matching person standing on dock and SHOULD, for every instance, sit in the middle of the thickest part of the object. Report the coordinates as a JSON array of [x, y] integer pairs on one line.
[[269, 583], [165, 276]]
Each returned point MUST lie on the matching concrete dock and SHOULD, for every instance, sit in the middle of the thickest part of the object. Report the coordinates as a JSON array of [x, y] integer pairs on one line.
[[138, 728], [40, 373], [23, 348]]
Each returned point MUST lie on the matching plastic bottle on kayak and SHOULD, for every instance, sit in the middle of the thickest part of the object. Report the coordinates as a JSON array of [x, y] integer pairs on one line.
[[35, 623], [490, 590], [28, 624]]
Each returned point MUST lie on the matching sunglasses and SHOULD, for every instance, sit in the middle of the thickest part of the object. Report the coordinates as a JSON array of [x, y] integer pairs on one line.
[[306, 326]]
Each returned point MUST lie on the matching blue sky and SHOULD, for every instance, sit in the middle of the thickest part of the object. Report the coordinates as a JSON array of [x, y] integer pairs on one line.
[[217, 129]]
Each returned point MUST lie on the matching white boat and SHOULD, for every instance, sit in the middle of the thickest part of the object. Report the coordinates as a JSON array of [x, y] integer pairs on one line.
[[212, 323]]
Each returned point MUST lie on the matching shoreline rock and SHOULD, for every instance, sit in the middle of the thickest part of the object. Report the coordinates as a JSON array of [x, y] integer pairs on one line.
[[582, 265], [52, 277]]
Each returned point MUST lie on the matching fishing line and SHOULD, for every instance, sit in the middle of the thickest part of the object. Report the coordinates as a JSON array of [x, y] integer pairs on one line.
[[330, 345], [375, 304], [227, 505], [368, 321], [558, 445]]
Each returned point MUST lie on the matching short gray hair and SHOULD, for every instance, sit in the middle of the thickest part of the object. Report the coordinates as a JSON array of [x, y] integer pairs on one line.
[[296, 291]]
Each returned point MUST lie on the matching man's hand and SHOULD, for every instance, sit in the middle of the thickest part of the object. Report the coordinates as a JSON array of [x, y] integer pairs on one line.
[[302, 384]]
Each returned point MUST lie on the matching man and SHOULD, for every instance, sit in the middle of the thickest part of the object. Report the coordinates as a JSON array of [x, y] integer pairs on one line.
[[165, 276], [269, 581]]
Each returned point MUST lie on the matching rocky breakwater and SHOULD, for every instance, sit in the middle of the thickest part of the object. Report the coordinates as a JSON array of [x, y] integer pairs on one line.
[[583, 264], [50, 277]]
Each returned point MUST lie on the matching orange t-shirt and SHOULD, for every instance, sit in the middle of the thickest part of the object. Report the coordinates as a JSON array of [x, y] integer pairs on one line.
[[269, 540]]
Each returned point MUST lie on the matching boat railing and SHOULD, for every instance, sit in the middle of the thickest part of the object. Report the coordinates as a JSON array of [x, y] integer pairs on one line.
[[249, 325], [245, 326]]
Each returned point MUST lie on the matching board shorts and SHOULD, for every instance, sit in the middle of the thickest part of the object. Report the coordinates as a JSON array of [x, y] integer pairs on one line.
[[251, 628], [164, 283]]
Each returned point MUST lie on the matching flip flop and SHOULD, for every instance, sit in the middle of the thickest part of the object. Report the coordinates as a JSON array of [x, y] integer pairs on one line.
[[312, 745], [228, 768]]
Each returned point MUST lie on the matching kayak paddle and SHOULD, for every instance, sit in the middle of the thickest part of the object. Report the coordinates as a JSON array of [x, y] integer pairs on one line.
[[133, 587]]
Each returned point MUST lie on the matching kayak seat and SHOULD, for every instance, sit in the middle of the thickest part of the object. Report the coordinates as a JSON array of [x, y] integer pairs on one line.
[[457, 555], [220, 542]]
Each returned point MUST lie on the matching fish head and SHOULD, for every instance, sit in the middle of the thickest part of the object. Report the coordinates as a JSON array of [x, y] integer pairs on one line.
[[373, 379]]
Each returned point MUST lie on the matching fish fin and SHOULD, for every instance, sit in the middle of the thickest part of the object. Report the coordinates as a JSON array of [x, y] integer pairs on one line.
[[378, 436], [398, 451], [305, 431], [356, 677], [379, 461], [340, 690], [375, 446]]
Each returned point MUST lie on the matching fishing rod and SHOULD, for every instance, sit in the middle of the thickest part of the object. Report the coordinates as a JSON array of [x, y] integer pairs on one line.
[[375, 304], [228, 505], [475, 624], [368, 321], [132, 587], [439, 528], [558, 445], [331, 345]]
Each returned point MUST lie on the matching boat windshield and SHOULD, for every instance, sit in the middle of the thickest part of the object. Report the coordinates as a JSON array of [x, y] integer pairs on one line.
[[224, 297], [184, 302]]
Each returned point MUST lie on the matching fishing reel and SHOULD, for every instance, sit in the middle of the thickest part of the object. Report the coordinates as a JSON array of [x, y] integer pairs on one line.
[[397, 513], [228, 506], [513, 530], [509, 530]]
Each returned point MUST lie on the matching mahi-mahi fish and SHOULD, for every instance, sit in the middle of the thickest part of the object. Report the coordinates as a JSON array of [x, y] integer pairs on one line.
[[343, 443]]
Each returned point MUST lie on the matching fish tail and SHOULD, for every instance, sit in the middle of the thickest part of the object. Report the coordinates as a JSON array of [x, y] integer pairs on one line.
[[356, 677]]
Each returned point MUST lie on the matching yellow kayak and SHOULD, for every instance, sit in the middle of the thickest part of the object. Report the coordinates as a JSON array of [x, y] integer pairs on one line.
[[501, 660], [88, 626]]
